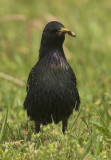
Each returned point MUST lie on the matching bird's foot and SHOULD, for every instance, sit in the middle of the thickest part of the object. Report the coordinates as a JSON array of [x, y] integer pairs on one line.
[[37, 127], [64, 125]]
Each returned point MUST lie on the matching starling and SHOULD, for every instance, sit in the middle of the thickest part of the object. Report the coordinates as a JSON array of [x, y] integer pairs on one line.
[[51, 87]]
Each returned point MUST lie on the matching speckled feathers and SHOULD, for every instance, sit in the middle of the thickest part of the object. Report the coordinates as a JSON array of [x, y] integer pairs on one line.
[[51, 87]]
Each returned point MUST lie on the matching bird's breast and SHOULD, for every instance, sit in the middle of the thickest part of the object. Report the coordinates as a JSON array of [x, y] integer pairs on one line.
[[57, 60], [55, 76], [53, 73]]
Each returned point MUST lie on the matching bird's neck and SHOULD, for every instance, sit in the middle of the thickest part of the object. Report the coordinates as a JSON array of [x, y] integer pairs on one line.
[[51, 50], [52, 57]]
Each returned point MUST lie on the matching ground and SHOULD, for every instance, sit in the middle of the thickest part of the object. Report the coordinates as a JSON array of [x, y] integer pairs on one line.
[[89, 130]]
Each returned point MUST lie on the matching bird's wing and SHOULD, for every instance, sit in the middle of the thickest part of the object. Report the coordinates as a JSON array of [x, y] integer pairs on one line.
[[73, 76], [30, 81], [76, 90]]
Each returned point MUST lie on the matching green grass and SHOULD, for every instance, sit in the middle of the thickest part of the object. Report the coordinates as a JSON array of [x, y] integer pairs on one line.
[[89, 130]]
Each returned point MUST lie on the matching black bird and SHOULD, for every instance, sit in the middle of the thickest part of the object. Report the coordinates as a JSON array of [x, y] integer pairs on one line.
[[51, 87]]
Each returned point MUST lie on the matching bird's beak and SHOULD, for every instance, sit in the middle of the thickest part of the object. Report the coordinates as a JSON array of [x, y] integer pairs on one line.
[[65, 30]]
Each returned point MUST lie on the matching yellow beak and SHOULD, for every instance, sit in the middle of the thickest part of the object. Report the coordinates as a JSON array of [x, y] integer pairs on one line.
[[65, 30]]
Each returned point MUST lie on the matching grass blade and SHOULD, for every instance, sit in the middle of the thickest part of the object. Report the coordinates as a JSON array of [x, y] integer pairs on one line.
[[72, 127], [87, 147], [3, 129]]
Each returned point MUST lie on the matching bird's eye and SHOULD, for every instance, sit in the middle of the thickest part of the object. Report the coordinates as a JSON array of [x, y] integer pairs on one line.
[[53, 30]]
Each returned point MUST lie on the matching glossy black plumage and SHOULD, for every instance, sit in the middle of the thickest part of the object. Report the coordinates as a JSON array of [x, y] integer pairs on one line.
[[51, 87]]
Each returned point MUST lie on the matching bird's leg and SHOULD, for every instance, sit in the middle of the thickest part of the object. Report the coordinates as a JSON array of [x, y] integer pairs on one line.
[[64, 125], [37, 127]]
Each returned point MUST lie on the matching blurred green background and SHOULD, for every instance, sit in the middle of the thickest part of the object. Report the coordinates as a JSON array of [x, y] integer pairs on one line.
[[89, 54]]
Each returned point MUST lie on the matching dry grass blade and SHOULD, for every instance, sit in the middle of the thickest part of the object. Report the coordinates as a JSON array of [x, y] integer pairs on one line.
[[12, 79], [12, 18], [36, 23], [49, 17]]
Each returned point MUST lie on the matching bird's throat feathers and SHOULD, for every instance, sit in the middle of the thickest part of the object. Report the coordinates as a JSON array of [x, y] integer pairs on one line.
[[53, 58]]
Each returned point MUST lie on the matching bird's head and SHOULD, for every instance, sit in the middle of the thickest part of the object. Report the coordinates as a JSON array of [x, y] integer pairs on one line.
[[54, 34]]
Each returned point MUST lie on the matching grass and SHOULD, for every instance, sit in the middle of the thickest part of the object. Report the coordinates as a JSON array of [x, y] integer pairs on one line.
[[89, 130]]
